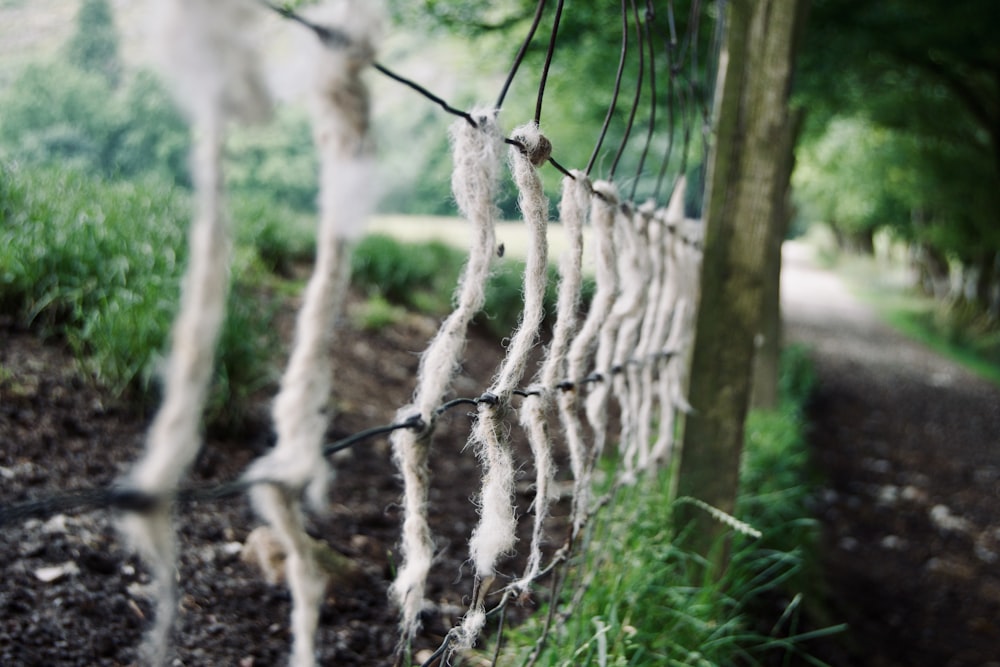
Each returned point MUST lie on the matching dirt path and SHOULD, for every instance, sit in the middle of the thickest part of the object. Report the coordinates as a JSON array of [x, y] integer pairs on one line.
[[908, 445]]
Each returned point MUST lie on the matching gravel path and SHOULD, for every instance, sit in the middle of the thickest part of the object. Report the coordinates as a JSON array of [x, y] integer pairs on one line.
[[908, 445]]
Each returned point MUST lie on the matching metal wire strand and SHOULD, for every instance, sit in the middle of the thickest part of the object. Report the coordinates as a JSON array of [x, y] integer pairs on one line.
[[548, 62], [651, 128], [614, 96], [519, 58], [130, 499], [334, 38], [638, 93]]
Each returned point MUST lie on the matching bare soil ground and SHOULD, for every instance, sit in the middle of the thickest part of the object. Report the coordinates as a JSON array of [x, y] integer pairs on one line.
[[72, 594], [908, 445]]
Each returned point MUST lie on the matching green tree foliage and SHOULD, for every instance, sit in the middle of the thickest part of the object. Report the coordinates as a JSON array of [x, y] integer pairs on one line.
[[153, 134], [94, 45], [857, 177], [918, 85], [83, 110], [277, 160], [55, 113]]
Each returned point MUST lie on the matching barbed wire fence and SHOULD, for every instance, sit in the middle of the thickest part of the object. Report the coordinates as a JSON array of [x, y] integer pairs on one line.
[[630, 347]]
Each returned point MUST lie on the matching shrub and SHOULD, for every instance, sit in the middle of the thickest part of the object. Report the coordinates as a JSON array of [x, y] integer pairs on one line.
[[417, 275], [58, 115], [282, 236], [99, 264], [96, 261]]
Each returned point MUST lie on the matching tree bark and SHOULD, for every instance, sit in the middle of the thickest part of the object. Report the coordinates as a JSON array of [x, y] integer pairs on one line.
[[766, 371], [745, 180]]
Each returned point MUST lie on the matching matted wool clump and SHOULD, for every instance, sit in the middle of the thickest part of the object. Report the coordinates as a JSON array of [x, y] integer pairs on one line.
[[541, 395], [494, 535], [580, 360], [340, 117], [477, 152], [208, 53]]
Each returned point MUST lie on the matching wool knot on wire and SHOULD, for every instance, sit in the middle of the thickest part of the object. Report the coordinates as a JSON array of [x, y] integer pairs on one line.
[[533, 144]]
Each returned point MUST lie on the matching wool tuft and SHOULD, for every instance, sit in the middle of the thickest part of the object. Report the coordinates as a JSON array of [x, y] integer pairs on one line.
[[476, 153], [626, 317], [537, 405], [494, 536], [341, 132], [641, 377], [603, 202], [210, 54], [173, 440], [606, 222], [672, 318]]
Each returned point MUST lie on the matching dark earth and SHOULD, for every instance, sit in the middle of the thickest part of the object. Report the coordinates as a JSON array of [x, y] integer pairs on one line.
[[72, 593], [906, 445]]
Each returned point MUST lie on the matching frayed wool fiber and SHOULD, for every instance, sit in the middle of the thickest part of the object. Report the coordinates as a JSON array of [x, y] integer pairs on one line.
[[209, 52], [538, 403], [604, 201], [641, 376], [606, 222], [633, 270], [660, 338], [495, 533], [340, 113], [477, 155], [494, 536], [206, 52]]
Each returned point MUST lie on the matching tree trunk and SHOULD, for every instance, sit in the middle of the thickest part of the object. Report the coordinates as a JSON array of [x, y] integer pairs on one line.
[[932, 270], [764, 391], [745, 180]]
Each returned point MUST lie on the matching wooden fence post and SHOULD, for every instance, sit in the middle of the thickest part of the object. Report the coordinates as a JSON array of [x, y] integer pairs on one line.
[[753, 140]]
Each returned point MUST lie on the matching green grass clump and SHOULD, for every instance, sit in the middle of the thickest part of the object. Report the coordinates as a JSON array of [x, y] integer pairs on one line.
[[420, 276], [98, 263], [376, 314], [281, 238], [628, 596]]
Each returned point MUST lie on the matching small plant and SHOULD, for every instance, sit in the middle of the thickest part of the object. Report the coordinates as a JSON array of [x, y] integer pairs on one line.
[[627, 599], [422, 276], [282, 237], [98, 264], [95, 262], [376, 314], [417, 275]]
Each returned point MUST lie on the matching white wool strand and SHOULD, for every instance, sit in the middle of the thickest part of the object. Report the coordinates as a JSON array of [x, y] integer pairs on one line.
[[340, 109], [603, 203], [210, 54], [534, 410], [633, 270], [596, 403], [538, 403], [173, 440], [494, 536], [668, 308], [477, 155], [641, 375]]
